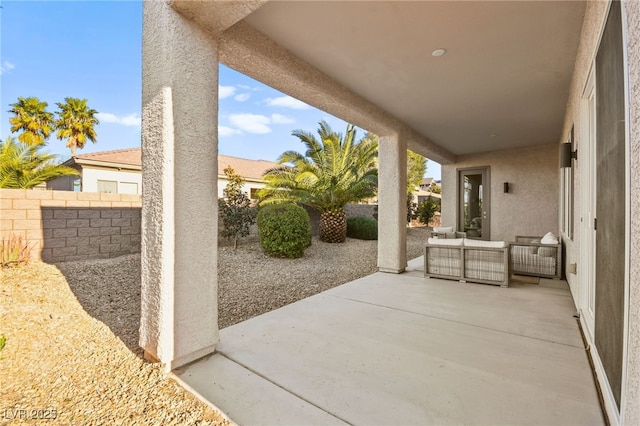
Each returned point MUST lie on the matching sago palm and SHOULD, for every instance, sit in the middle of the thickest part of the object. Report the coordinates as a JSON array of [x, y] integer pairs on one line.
[[334, 171], [32, 119], [75, 123], [23, 167]]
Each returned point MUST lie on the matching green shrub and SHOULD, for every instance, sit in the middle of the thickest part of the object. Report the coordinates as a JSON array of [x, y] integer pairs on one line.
[[14, 251], [235, 210], [427, 209], [284, 230], [362, 228]]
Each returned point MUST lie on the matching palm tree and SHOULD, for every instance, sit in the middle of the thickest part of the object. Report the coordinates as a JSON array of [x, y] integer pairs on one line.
[[23, 167], [334, 171], [33, 119], [75, 123]]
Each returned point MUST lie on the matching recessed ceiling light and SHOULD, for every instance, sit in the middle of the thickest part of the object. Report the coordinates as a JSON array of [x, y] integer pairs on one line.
[[438, 52]]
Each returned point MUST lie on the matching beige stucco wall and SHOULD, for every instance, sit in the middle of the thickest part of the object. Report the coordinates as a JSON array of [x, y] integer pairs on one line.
[[530, 207], [594, 21], [595, 15], [631, 400]]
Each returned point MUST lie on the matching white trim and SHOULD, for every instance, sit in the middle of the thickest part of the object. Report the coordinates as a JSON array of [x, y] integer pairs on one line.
[[586, 252], [627, 242], [105, 164], [609, 401]]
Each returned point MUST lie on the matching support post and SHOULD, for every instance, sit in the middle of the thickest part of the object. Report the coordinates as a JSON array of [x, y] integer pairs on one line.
[[392, 204], [179, 317]]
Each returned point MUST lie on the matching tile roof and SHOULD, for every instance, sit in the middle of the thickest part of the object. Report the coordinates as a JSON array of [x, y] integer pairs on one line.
[[245, 167], [249, 169], [122, 156]]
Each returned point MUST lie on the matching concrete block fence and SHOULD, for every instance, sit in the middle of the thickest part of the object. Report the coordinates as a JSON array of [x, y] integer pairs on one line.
[[62, 225]]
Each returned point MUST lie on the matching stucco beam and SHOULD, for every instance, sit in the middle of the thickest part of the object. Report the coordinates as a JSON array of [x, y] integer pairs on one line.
[[215, 16], [250, 52]]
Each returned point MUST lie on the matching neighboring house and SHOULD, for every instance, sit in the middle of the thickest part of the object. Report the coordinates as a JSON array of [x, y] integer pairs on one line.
[[426, 184], [426, 191], [251, 171], [425, 195], [117, 172], [120, 172]]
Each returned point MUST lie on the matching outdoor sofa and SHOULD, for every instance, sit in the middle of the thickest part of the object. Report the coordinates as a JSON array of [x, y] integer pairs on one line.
[[536, 256], [467, 260], [446, 232]]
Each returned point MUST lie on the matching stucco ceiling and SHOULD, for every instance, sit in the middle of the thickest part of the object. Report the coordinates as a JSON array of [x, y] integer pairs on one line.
[[503, 82]]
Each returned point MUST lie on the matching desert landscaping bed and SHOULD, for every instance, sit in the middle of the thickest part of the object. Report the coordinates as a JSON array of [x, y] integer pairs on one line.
[[64, 357], [251, 283], [72, 330]]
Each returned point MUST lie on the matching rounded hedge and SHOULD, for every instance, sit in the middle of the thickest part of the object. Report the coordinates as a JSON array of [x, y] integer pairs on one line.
[[284, 230], [362, 228]]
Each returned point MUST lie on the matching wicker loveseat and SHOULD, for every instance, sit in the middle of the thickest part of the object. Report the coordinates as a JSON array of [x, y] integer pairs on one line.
[[446, 232], [469, 260], [529, 256]]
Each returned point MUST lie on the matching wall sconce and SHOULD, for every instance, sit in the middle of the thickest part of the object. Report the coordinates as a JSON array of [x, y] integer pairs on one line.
[[506, 187], [566, 154]]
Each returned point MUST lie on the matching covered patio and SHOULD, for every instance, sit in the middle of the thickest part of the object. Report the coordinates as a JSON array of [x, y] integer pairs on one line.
[[490, 89], [404, 349]]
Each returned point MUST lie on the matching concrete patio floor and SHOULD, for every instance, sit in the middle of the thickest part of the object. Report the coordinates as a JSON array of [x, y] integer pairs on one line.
[[402, 349]]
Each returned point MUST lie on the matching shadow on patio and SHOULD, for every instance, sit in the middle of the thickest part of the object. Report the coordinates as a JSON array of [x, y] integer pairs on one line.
[[402, 349]]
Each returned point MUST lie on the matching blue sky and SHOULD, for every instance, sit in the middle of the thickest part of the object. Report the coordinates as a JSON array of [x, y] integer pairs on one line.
[[92, 50]]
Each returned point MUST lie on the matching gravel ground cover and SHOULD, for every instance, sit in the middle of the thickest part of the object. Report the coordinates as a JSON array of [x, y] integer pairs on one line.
[[251, 283], [72, 330], [64, 362]]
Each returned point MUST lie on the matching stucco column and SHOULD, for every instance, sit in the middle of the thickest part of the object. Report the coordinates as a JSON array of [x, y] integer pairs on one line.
[[179, 320], [392, 204]]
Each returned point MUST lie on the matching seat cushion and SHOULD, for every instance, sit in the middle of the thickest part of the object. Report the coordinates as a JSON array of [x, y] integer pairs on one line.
[[482, 243], [445, 241], [444, 229]]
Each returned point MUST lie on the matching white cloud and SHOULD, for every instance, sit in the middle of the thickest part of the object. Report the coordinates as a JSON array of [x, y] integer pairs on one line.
[[287, 102], [5, 67], [127, 120], [131, 120], [226, 131], [281, 119], [242, 97], [251, 123], [225, 91]]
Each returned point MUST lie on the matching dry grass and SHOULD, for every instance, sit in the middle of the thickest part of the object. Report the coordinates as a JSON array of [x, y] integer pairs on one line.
[[58, 357]]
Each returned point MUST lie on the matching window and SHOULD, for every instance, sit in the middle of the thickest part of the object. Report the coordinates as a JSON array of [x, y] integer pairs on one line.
[[109, 186], [77, 184], [254, 193], [128, 188]]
